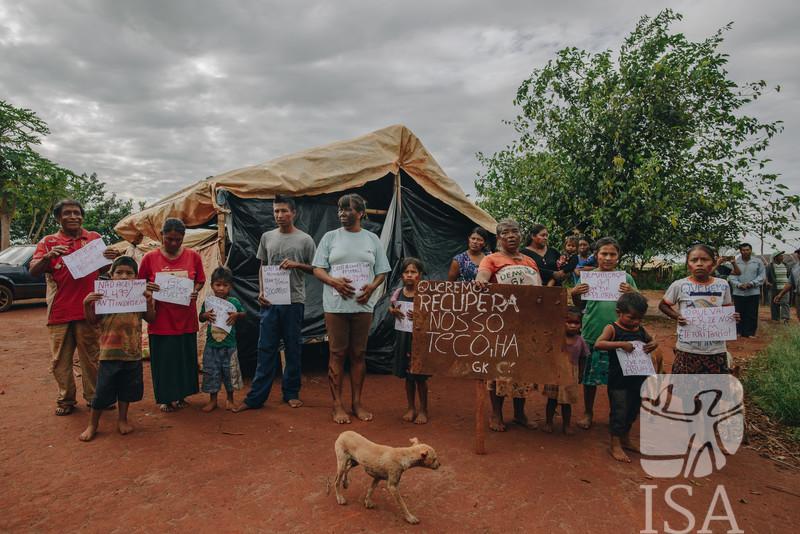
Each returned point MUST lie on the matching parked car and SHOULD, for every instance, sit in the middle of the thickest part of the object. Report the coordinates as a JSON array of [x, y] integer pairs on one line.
[[16, 282]]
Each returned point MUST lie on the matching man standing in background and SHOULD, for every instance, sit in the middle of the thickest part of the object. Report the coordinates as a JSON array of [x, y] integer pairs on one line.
[[747, 289], [777, 278]]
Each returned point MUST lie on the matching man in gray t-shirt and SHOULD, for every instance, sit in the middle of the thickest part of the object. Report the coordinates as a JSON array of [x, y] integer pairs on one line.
[[290, 249]]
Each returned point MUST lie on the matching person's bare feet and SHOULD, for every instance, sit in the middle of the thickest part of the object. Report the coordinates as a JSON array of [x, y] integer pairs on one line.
[[362, 413], [64, 410], [294, 403], [88, 434], [340, 416], [496, 424], [548, 427], [585, 422], [523, 420], [231, 406], [616, 451], [409, 415], [421, 418], [181, 404], [210, 406], [241, 408], [568, 431], [124, 427]]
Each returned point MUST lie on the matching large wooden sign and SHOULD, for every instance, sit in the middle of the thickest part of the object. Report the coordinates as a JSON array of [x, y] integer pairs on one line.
[[502, 331]]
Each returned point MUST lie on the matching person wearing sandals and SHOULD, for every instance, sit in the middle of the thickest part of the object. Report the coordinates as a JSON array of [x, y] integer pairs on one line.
[[173, 334], [464, 267], [66, 322]]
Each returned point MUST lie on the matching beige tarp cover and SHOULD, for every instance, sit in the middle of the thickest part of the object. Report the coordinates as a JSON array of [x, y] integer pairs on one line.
[[327, 169]]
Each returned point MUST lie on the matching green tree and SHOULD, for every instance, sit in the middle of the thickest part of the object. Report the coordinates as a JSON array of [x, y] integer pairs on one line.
[[650, 147], [19, 163]]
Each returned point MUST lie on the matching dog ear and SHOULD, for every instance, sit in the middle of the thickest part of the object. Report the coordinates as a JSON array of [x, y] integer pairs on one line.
[[414, 441]]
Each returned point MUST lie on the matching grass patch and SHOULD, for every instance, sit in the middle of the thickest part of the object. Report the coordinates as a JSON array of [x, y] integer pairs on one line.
[[773, 379]]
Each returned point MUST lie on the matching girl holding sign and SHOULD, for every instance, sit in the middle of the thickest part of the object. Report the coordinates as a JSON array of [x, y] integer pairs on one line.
[[353, 263], [411, 270], [698, 290], [173, 334], [625, 334], [597, 315]]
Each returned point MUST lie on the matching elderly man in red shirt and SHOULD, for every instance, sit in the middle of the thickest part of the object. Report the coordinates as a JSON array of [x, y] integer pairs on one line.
[[67, 326]]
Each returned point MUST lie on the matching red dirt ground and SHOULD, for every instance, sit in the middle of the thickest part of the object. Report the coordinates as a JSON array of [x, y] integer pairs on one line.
[[267, 470]]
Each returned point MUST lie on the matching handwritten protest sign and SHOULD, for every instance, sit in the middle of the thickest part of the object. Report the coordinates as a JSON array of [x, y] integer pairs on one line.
[[221, 309], [708, 324], [636, 363], [603, 285], [277, 288], [501, 331], [174, 289], [120, 296], [358, 274], [405, 324], [87, 259]]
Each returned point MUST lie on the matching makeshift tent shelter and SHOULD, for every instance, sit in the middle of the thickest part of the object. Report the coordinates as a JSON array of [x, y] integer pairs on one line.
[[414, 207]]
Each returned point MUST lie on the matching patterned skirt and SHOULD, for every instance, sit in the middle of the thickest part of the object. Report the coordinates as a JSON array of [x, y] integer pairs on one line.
[[565, 394], [689, 363], [505, 387], [596, 371]]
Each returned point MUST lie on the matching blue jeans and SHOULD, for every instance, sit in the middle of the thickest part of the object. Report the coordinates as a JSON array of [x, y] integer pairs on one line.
[[279, 321]]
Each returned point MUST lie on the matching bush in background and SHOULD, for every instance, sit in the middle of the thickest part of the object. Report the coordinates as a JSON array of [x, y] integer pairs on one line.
[[773, 379]]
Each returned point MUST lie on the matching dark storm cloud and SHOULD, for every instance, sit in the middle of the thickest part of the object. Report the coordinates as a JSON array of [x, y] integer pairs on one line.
[[155, 95]]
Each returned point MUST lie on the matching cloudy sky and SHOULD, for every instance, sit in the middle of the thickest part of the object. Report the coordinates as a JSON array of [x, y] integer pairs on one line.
[[155, 95]]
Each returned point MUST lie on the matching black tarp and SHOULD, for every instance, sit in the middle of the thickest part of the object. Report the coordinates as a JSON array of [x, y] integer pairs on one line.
[[428, 229]]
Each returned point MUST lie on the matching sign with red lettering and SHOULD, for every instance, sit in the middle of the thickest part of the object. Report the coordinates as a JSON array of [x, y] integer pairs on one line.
[[501, 331]]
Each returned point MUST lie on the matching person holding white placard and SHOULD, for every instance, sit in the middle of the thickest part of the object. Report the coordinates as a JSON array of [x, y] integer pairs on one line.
[[411, 271], [173, 335], [698, 290], [624, 396], [597, 315], [66, 321], [291, 250], [348, 311], [120, 377], [220, 358]]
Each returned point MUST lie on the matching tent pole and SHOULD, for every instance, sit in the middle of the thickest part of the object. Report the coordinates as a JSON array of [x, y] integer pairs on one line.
[[221, 235]]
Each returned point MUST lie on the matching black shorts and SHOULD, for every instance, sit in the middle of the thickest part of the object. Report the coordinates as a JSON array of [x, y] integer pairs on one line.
[[118, 380]]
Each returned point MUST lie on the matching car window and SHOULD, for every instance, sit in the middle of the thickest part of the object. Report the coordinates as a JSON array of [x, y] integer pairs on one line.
[[16, 255]]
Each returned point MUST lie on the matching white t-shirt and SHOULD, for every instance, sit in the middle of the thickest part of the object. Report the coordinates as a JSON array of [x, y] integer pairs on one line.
[[688, 293]]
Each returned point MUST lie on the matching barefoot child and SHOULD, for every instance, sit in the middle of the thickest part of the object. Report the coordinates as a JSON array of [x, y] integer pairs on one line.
[[411, 272], [698, 290], [624, 395], [220, 361], [566, 396], [119, 377], [597, 315]]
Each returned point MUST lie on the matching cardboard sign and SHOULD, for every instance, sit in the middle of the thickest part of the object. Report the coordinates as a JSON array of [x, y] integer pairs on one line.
[[502, 331], [603, 285], [86, 259], [174, 289], [405, 324], [636, 363], [358, 274], [120, 296], [221, 309], [708, 324], [276, 284]]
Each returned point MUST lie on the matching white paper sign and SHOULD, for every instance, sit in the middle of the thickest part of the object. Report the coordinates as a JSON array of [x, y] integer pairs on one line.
[[277, 288], [357, 273], [221, 309], [636, 363], [120, 296], [708, 324], [603, 285], [405, 324], [87, 259], [174, 289]]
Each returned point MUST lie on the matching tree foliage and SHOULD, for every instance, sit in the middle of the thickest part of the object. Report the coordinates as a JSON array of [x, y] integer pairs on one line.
[[649, 146], [31, 185]]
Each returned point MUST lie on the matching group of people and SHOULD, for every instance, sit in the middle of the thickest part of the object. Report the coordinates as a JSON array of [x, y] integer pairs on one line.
[[595, 330]]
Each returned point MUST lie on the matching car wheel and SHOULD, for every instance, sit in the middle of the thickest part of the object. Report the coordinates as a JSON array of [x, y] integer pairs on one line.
[[6, 298]]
